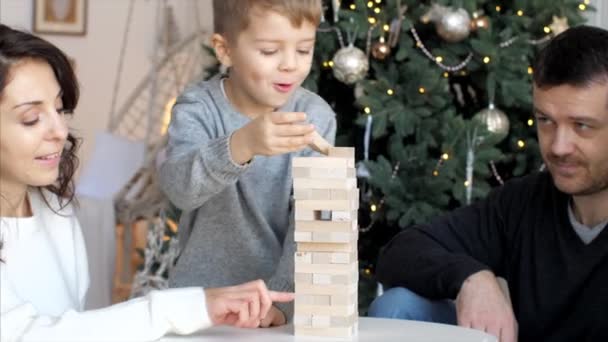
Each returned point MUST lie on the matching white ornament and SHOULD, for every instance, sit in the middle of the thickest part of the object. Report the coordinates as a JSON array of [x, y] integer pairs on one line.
[[454, 25], [335, 4], [350, 65], [495, 121]]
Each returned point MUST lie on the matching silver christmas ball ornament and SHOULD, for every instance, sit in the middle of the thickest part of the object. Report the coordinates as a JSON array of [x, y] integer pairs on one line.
[[350, 65], [495, 121], [454, 25]]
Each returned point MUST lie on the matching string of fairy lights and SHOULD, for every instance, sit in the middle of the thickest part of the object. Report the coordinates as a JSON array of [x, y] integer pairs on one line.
[[375, 6]]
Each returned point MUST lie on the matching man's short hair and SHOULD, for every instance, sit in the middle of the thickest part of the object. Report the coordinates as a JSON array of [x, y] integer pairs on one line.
[[232, 16], [577, 57]]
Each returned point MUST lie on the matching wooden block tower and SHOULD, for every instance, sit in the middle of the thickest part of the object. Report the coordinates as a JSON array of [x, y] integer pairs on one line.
[[326, 233]]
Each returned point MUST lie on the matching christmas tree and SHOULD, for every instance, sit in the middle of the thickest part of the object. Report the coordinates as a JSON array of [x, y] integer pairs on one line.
[[436, 96]]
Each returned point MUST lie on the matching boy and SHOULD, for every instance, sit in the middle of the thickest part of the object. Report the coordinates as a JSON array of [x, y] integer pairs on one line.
[[231, 141]]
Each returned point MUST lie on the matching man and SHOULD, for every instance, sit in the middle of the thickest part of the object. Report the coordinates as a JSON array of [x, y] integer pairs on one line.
[[545, 233]]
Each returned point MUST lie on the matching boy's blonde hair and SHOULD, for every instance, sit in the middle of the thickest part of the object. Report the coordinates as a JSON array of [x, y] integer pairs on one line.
[[232, 16]]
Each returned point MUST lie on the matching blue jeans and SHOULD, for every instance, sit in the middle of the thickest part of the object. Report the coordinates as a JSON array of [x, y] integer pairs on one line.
[[402, 303]]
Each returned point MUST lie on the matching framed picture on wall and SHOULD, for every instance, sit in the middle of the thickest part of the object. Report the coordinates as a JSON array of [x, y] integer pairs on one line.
[[60, 17]]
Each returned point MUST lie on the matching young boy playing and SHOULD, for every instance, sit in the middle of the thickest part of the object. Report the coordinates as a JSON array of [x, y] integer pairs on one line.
[[231, 141]]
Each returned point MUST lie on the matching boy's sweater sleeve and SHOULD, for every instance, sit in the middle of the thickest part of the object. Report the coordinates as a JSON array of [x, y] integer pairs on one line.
[[198, 164], [435, 259], [282, 280]]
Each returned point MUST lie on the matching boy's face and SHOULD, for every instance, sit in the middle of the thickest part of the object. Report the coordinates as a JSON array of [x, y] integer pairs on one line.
[[269, 60]]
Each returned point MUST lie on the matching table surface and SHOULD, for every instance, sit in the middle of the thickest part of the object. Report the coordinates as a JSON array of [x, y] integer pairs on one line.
[[370, 329]]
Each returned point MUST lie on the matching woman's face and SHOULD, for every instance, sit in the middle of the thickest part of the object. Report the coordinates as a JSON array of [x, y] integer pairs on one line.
[[33, 128]]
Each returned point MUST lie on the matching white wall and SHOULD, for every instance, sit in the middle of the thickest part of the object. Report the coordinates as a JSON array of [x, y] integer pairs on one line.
[[600, 17], [97, 53]]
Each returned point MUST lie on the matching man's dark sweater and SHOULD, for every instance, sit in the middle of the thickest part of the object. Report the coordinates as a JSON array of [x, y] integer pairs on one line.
[[521, 232]]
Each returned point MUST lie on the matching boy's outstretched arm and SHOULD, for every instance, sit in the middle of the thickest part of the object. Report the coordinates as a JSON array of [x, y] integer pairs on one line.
[[198, 164]]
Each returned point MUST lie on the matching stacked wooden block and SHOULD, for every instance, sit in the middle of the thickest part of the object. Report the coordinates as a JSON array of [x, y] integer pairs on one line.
[[326, 233]]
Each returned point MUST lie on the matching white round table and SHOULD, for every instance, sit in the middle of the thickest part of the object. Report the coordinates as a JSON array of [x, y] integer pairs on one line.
[[370, 329]]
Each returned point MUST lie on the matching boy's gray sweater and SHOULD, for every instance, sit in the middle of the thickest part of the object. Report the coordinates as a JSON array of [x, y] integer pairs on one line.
[[237, 221]]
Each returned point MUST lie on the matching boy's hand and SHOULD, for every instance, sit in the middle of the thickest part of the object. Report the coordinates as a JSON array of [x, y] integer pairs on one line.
[[482, 305], [242, 305], [275, 317], [271, 134]]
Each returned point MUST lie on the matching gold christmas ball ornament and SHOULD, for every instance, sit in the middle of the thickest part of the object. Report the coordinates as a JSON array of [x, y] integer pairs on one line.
[[454, 25], [495, 121], [350, 65], [381, 50], [480, 22]]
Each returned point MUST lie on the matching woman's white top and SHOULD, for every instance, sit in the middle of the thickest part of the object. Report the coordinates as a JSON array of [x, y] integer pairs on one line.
[[44, 278]]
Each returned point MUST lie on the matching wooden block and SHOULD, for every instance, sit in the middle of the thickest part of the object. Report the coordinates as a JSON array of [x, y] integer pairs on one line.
[[338, 215], [344, 321], [330, 173], [342, 152], [327, 279], [319, 144], [341, 258], [333, 205], [319, 321], [328, 289], [326, 269], [321, 279], [304, 278], [308, 299], [302, 194], [300, 172], [343, 299], [335, 237], [304, 299], [304, 257], [301, 319], [321, 299], [337, 194], [310, 183], [304, 214], [338, 310], [321, 258], [321, 194], [326, 226], [312, 194], [309, 246], [322, 162], [350, 237], [345, 279], [302, 236]]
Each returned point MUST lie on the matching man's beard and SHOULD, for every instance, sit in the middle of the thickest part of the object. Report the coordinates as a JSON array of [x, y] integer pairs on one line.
[[589, 185]]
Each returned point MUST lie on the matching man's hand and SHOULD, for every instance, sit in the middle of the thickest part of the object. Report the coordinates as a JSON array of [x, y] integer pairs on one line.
[[275, 317], [271, 134], [242, 305], [482, 305]]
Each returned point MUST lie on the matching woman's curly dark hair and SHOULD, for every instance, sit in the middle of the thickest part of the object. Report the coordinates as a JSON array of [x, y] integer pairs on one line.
[[16, 46]]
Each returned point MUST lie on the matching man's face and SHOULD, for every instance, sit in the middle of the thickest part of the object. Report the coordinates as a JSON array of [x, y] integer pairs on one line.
[[573, 135]]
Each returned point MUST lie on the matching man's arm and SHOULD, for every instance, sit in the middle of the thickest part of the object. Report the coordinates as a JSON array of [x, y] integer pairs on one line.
[[457, 256], [435, 259]]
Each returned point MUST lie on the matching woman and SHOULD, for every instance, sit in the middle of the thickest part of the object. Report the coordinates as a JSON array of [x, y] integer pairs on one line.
[[43, 272]]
